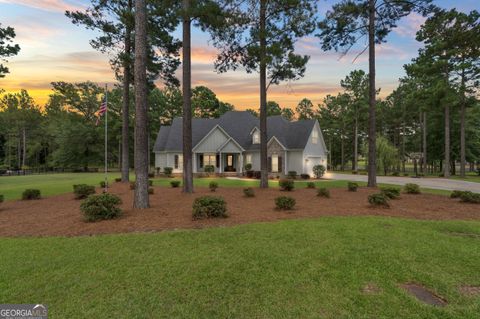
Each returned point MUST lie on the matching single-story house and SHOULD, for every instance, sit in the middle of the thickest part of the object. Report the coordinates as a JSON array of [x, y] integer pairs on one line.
[[230, 142]]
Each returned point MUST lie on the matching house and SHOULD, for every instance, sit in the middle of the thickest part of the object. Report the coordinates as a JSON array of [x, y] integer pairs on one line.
[[230, 142]]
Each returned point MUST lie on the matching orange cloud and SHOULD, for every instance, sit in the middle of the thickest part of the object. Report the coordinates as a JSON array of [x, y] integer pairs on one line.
[[48, 5]]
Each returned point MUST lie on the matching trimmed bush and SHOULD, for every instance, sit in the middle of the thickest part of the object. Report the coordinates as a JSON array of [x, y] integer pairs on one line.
[[103, 184], [209, 169], [151, 190], [249, 192], [150, 182], [323, 192], [396, 174], [31, 194], [411, 188], [456, 194], [378, 199], [100, 207], [118, 180], [209, 207], [285, 203], [82, 191], [168, 171], [470, 197], [390, 192], [286, 184], [213, 186], [319, 171], [2, 198], [292, 174], [304, 176], [352, 187], [310, 185], [248, 167], [175, 184]]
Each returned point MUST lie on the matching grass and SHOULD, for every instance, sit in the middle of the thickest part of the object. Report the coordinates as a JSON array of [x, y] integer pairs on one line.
[[53, 184], [312, 268], [470, 176]]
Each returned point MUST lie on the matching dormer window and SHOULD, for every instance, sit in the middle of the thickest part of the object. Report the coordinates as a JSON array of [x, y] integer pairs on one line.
[[314, 137], [256, 137]]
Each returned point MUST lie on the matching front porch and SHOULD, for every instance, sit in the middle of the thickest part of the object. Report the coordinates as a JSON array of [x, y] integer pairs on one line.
[[223, 163]]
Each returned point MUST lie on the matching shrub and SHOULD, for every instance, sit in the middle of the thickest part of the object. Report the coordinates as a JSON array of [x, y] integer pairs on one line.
[[248, 167], [323, 192], [249, 192], [150, 190], [310, 185], [118, 180], [213, 186], [175, 184], [30, 194], [470, 197], [209, 169], [319, 171], [132, 185], [103, 184], [2, 198], [209, 207], [411, 188], [151, 175], [456, 194], [304, 176], [390, 192], [150, 182], [285, 203], [354, 172], [102, 206], [478, 172], [378, 199], [286, 184], [396, 174], [249, 174], [82, 191], [168, 171], [352, 187], [292, 174], [257, 174]]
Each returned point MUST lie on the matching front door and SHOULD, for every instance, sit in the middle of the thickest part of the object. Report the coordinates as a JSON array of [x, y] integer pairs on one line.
[[230, 163]]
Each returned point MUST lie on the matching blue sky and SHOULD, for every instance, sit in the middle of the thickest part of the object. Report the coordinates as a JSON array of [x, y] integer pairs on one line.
[[53, 49]]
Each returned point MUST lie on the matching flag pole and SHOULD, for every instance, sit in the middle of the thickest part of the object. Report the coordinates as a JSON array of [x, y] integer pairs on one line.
[[106, 137]]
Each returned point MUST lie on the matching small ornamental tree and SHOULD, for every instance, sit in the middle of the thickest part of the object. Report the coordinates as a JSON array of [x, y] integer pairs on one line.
[[319, 171]]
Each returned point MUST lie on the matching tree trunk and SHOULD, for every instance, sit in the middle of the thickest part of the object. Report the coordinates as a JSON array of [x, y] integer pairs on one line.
[[263, 97], [355, 144], [462, 127], [424, 144], [187, 100], [126, 103], [24, 149], [446, 164], [342, 154], [141, 199], [372, 165]]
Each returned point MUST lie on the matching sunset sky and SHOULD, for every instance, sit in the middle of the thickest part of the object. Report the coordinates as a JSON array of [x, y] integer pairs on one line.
[[53, 49]]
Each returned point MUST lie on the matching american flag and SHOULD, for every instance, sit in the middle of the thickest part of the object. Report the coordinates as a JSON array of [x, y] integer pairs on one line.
[[102, 110]]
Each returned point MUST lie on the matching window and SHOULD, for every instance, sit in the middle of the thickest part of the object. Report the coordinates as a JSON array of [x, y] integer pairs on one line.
[[256, 137], [178, 161], [315, 137], [274, 163], [210, 159], [248, 159]]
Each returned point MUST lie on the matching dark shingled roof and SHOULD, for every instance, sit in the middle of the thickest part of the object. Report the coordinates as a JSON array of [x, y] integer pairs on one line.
[[238, 124]]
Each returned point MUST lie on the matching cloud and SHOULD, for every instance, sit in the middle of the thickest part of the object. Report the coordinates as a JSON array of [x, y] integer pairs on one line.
[[409, 25], [47, 5]]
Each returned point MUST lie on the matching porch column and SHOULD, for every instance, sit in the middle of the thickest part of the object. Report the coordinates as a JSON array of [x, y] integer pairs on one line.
[[285, 164], [194, 162], [220, 164], [241, 162]]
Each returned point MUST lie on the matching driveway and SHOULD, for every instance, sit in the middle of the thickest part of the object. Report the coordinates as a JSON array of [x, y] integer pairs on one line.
[[435, 183]]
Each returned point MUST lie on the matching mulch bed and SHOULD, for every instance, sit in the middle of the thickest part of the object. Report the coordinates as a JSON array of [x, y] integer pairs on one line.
[[171, 209]]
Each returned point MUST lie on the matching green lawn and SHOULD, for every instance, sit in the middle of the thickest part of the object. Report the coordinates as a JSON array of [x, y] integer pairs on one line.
[[53, 184], [312, 268]]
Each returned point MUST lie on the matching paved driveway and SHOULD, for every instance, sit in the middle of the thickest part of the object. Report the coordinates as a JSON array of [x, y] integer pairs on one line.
[[435, 183]]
